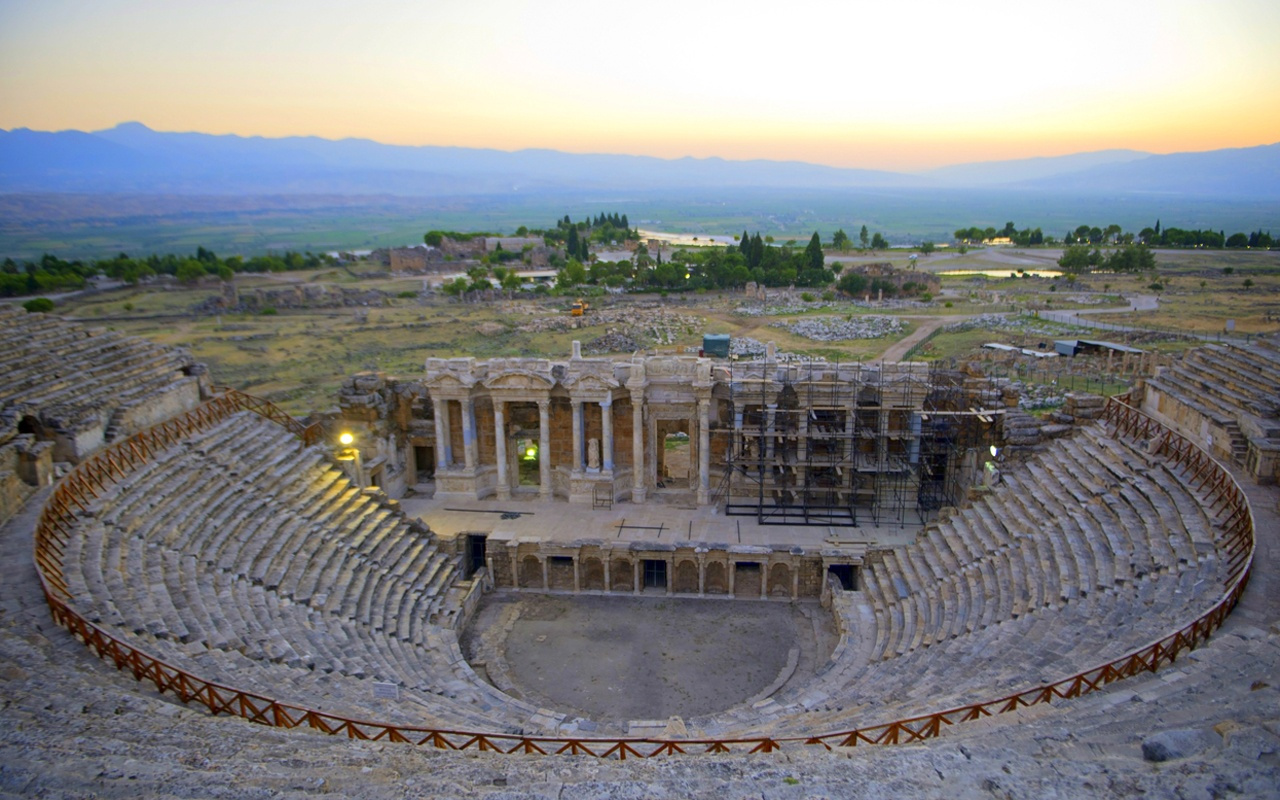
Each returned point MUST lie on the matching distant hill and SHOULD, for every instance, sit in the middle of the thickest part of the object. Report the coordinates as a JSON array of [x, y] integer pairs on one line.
[[132, 158], [992, 173], [1233, 173]]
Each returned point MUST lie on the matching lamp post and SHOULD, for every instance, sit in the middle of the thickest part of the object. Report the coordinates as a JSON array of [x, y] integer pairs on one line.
[[350, 454]]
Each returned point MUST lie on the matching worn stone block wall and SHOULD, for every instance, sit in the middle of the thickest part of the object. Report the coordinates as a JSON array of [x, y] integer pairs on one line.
[[500, 560]]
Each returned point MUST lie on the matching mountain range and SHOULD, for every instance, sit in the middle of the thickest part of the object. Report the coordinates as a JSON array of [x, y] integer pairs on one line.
[[132, 158]]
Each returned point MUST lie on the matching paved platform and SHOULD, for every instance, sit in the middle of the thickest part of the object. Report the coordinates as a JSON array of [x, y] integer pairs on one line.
[[529, 519]]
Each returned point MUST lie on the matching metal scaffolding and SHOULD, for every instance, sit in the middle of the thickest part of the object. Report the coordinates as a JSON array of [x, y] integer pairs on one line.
[[825, 443]]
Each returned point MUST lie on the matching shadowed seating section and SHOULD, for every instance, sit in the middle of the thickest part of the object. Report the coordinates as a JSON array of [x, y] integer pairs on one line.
[[1091, 550], [1227, 399], [83, 386]]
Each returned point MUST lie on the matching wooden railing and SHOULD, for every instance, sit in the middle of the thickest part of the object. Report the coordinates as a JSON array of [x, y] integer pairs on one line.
[[1228, 504]]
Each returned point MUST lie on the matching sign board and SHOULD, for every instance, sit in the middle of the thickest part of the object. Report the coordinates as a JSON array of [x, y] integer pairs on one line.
[[386, 691], [1231, 325]]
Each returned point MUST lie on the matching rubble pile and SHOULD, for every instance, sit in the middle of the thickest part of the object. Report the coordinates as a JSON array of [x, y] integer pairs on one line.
[[612, 342], [831, 329]]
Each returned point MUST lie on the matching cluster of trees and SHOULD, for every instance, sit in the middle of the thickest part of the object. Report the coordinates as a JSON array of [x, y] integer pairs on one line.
[[434, 238], [1178, 237], [1085, 234], [1023, 238], [52, 274], [856, 284], [1079, 258], [49, 274], [841, 241]]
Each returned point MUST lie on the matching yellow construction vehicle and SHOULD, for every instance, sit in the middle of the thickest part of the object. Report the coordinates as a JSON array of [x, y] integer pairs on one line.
[[579, 308]]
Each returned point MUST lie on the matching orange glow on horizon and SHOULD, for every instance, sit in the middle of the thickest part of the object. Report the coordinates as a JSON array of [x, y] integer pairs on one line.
[[512, 75]]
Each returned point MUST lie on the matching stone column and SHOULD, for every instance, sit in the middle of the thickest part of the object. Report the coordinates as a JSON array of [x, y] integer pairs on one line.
[[500, 450], [671, 575], [577, 581], [469, 451], [546, 578], [608, 578], [702, 575], [704, 452], [606, 435], [544, 454], [577, 438], [795, 581], [638, 470], [444, 450], [733, 571], [764, 580], [635, 575]]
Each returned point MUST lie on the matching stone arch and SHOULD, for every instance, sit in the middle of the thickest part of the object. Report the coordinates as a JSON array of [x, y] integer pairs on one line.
[[747, 579], [717, 581], [560, 573], [686, 577], [530, 573], [592, 575], [620, 575], [780, 580], [29, 424]]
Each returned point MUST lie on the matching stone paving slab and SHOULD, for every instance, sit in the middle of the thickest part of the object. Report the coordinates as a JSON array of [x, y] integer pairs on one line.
[[562, 523]]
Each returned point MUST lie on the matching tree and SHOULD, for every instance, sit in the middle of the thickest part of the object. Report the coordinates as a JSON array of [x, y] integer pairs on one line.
[[878, 242], [927, 247], [571, 244], [1237, 240], [862, 237], [744, 244], [813, 257], [840, 240], [852, 283], [572, 274], [189, 271], [1075, 259]]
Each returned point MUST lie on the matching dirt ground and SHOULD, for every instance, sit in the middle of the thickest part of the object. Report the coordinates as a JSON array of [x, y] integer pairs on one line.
[[650, 658]]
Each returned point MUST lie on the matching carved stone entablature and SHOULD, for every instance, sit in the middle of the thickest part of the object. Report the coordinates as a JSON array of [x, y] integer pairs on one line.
[[593, 385], [453, 375], [520, 382]]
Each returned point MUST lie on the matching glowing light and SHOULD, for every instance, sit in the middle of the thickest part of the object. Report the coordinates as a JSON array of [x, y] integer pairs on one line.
[[346, 439], [994, 451]]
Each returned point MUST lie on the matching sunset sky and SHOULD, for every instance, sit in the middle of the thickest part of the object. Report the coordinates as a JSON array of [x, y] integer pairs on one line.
[[900, 86]]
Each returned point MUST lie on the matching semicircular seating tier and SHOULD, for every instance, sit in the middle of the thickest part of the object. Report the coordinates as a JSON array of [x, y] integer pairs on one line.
[[1089, 551], [81, 387], [247, 559]]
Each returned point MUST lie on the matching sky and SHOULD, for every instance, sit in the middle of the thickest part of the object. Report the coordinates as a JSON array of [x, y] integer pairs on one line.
[[902, 86]]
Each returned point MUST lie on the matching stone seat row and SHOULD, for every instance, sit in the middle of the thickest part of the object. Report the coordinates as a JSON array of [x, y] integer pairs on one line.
[[1249, 375], [339, 537], [1020, 548], [202, 559], [1042, 646], [38, 377]]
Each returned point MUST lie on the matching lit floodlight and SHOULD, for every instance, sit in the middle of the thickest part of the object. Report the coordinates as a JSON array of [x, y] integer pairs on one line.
[[994, 451], [346, 439]]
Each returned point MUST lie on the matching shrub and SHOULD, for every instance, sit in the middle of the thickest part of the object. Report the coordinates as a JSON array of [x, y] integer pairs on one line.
[[807, 297], [407, 294], [828, 295], [38, 305], [268, 311]]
